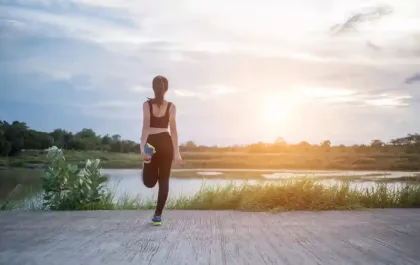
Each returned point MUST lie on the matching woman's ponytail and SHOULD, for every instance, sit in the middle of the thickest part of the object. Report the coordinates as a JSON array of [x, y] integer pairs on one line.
[[160, 86]]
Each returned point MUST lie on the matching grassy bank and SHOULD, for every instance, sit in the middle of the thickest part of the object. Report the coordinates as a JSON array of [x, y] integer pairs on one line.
[[288, 160], [304, 194], [17, 183]]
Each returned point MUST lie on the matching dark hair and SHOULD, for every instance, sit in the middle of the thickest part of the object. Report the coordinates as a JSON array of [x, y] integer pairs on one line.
[[160, 86]]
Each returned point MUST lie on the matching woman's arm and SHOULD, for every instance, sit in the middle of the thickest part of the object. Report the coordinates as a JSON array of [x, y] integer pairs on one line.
[[174, 131], [146, 125]]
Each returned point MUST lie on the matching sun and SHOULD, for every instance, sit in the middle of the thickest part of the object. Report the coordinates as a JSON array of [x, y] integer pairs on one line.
[[276, 113]]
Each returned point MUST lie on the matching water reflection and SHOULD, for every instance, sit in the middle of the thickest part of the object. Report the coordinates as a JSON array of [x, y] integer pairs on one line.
[[24, 182]]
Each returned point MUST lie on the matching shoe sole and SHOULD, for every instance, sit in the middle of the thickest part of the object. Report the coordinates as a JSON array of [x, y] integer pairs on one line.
[[157, 223]]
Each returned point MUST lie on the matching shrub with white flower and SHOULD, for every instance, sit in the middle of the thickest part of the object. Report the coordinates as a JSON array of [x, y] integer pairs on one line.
[[54, 153], [66, 187]]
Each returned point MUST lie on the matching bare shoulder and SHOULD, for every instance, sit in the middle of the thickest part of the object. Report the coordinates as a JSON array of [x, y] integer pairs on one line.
[[172, 112], [172, 108], [146, 106]]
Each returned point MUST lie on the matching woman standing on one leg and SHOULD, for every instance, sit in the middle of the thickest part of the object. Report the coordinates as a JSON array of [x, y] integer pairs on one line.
[[159, 148]]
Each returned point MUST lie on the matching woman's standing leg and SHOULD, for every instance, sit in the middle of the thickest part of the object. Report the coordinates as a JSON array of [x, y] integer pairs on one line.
[[165, 165], [164, 174]]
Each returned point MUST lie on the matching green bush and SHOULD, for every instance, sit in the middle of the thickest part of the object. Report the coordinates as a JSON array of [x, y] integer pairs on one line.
[[66, 187]]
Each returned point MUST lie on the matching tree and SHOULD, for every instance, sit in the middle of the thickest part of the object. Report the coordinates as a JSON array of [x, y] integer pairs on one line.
[[326, 144], [304, 144], [116, 138], [5, 147], [45, 140], [15, 134], [259, 147], [280, 141], [31, 140], [86, 133], [190, 145], [106, 140], [376, 143], [76, 143], [67, 138], [59, 136]]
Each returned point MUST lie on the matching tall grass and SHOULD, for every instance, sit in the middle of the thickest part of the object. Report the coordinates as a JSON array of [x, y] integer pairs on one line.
[[304, 194], [280, 195]]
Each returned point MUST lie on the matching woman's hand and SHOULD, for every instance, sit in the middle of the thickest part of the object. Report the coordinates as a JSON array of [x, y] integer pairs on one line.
[[177, 159], [145, 157]]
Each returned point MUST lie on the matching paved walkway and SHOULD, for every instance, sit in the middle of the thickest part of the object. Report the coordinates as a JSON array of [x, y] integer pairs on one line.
[[211, 237]]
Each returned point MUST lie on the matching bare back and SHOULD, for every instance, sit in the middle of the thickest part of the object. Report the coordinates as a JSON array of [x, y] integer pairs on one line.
[[158, 112]]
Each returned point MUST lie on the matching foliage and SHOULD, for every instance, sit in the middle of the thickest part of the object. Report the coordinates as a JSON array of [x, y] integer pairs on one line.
[[326, 144], [376, 143], [18, 136], [303, 194], [66, 187], [19, 145], [278, 195]]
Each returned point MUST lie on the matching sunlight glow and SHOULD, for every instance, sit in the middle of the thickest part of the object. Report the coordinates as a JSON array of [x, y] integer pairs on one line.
[[278, 112], [325, 92]]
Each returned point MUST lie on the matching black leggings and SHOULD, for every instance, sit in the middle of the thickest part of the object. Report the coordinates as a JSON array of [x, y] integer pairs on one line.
[[159, 169]]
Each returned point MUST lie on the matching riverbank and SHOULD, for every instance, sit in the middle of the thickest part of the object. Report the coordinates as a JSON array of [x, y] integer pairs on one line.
[[278, 195], [20, 183], [316, 160]]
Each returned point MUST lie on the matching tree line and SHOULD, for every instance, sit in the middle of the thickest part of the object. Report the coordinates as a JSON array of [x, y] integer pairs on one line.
[[409, 144], [17, 136]]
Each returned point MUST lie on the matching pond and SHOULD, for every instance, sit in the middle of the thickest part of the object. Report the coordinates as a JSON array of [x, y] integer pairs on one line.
[[128, 181], [24, 182]]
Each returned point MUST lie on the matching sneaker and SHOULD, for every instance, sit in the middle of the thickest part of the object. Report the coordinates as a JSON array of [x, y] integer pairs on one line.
[[149, 150], [157, 220]]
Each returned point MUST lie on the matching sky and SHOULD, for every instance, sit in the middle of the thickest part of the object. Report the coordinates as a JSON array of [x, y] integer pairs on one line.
[[239, 71]]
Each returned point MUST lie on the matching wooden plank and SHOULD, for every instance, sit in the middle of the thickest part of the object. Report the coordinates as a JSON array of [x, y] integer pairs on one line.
[[389, 236]]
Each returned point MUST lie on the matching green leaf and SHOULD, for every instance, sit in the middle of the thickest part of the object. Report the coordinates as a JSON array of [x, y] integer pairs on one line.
[[102, 180]]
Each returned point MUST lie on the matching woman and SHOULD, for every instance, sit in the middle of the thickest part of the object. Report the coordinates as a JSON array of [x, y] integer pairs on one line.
[[159, 148]]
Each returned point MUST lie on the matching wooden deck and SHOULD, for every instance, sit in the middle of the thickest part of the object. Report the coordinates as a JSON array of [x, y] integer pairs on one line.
[[211, 237]]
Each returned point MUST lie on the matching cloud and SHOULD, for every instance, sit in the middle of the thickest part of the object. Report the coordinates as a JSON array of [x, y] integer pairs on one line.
[[221, 89], [389, 101], [325, 92], [94, 61], [206, 92], [413, 79], [113, 110], [139, 89], [372, 46], [378, 99], [56, 74], [352, 23], [189, 94]]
